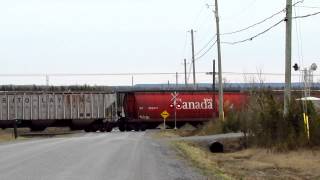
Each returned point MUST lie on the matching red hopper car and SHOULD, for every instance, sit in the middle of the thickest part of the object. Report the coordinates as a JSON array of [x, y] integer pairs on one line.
[[143, 109]]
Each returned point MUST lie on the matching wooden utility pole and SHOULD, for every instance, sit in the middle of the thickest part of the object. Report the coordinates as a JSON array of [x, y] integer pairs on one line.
[[131, 81], [185, 72], [287, 88], [177, 76], [193, 60], [221, 113], [47, 80]]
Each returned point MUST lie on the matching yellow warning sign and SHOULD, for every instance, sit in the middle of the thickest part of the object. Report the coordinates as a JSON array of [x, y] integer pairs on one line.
[[165, 114]]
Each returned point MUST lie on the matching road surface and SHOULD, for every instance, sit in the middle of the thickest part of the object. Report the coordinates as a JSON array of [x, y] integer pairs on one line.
[[114, 156]]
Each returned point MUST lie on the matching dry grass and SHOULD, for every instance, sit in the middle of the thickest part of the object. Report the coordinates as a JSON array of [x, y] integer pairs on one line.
[[245, 164], [25, 133], [168, 133], [171, 133], [200, 159], [210, 128], [7, 135], [253, 163]]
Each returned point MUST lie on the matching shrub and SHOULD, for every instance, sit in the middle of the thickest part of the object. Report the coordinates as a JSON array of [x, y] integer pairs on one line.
[[263, 121]]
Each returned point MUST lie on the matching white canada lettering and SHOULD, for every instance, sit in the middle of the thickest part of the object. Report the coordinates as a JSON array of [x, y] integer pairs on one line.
[[205, 104]]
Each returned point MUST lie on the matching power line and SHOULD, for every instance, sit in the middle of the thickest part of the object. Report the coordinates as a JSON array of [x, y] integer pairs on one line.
[[137, 74], [255, 36], [87, 74], [299, 40], [239, 13], [298, 2], [305, 16], [260, 22], [310, 7], [241, 30], [273, 26], [299, 36], [257, 73], [256, 24], [198, 15], [185, 44], [205, 46], [206, 51]]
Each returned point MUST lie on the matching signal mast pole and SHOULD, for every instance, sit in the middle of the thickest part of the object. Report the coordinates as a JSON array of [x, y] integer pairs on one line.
[[221, 113]]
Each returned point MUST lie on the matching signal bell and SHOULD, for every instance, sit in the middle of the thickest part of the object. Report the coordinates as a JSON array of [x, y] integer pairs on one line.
[[296, 67]]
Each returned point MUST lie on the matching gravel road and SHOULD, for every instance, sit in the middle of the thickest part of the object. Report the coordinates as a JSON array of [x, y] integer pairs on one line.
[[114, 156]]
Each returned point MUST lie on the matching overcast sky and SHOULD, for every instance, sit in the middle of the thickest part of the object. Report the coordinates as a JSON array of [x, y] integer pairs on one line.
[[135, 36]]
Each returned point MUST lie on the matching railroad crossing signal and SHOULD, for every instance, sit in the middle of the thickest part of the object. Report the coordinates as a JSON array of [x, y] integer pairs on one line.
[[174, 96], [165, 114], [174, 100]]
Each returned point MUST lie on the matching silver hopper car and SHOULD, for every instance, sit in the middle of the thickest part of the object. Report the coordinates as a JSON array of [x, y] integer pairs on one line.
[[78, 110]]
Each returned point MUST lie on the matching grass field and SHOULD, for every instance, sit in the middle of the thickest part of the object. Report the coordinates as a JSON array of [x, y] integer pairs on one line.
[[250, 163]]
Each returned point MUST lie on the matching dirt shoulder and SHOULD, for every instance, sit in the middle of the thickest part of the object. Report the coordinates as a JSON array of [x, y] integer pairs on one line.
[[250, 163], [25, 134]]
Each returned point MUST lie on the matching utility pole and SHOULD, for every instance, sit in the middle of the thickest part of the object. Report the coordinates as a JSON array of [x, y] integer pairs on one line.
[[131, 81], [177, 76], [185, 72], [221, 113], [47, 80], [287, 88], [193, 60]]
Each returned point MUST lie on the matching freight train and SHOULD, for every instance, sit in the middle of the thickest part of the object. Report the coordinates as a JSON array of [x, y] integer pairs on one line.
[[89, 111], [103, 111], [142, 110]]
